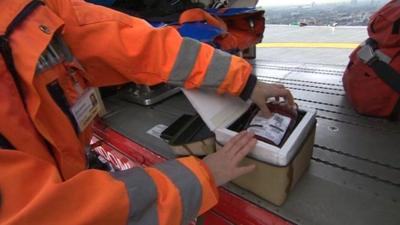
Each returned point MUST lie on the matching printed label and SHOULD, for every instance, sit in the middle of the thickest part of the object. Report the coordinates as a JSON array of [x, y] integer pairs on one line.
[[273, 128]]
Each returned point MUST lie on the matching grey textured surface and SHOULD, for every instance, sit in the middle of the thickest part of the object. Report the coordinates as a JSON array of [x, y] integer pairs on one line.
[[287, 55], [354, 176], [295, 34], [287, 33]]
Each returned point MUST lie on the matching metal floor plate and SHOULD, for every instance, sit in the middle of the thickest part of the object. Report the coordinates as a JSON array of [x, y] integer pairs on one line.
[[354, 177]]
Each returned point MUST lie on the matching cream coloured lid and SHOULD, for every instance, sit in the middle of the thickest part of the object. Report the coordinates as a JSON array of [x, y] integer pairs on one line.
[[217, 111]]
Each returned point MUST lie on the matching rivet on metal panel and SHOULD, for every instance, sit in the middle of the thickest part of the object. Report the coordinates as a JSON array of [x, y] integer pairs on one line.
[[333, 128], [44, 28]]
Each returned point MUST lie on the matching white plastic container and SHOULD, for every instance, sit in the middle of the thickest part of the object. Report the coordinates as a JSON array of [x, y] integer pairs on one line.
[[219, 112]]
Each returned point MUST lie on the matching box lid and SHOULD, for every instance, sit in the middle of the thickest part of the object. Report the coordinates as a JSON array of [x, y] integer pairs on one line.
[[217, 111]]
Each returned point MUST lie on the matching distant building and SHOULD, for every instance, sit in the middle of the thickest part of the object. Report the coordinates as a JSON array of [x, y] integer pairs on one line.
[[313, 4], [343, 14]]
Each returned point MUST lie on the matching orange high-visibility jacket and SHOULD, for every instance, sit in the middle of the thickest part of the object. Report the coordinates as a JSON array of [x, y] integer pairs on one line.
[[43, 176]]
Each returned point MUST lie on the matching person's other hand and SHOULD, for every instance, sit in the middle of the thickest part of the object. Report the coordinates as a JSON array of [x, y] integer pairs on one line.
[[223, 164], [263, 91]]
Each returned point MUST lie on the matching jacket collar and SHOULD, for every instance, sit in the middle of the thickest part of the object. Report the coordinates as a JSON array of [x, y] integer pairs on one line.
[[11, 8]]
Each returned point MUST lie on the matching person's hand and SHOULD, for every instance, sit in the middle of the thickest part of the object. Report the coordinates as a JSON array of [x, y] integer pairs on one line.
[[223, 164], [263, 91]]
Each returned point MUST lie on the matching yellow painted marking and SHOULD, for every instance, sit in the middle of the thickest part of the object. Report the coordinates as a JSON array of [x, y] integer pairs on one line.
[[307, 45]]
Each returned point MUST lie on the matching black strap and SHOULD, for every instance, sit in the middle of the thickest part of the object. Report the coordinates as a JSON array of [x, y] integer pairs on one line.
[[25, 12], [5, 48], [7, 55], [4, 143], [390, 76]]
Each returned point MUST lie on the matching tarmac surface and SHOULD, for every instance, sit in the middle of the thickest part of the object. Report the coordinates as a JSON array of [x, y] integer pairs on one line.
[[339, 38]]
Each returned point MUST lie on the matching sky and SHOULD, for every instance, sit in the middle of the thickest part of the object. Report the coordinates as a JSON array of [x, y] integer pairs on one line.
[[294, 2]]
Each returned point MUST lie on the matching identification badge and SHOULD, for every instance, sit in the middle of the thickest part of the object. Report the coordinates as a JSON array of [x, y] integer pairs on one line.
[[86, 108]]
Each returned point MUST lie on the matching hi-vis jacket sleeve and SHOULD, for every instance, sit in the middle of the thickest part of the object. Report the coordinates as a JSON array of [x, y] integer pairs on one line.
[[171, 193], [116, 48]]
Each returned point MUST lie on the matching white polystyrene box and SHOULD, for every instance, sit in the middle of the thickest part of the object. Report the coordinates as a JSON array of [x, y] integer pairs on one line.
[[220, 111]]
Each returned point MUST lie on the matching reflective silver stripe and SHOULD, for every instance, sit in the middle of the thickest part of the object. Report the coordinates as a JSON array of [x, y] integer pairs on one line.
[[142, 195], [188, 185], [217, 70], [185, 61]]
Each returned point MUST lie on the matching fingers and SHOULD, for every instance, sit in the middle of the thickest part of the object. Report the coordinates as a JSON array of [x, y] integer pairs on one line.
[[243, 140], [264, 109], [264, 91], [290, 99], [244, 150], [232, 142], [241, 143], [245, 169], [286, 94], [224, 164]]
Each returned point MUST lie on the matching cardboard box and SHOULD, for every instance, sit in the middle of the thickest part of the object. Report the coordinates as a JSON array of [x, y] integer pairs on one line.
[[272, 182], [278, 168]]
